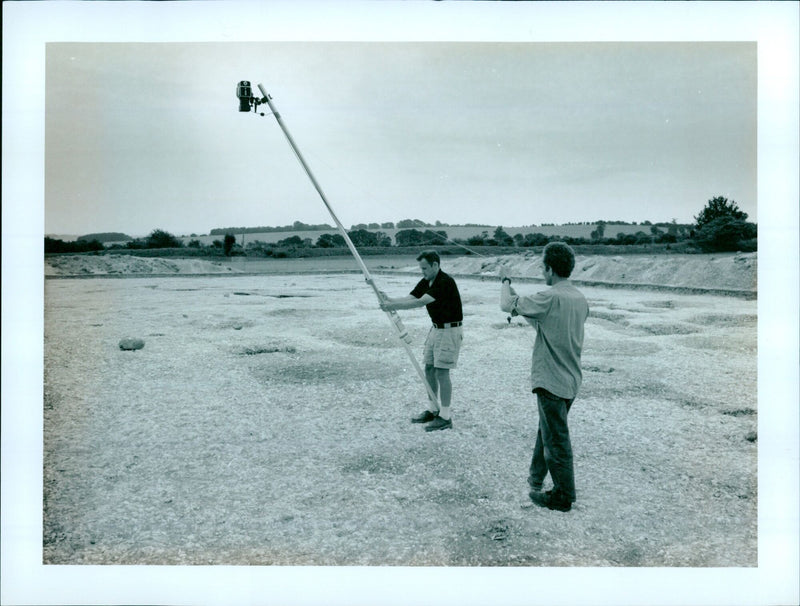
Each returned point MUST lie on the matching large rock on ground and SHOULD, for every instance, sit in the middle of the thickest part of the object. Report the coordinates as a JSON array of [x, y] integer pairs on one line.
[[131, 344]]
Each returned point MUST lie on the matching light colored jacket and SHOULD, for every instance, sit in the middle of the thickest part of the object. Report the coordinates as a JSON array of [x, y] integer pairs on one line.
[[558, 314]]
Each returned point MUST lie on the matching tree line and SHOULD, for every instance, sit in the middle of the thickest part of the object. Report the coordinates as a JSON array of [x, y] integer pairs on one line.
[[300, 226], [402, 224], [720, 226]]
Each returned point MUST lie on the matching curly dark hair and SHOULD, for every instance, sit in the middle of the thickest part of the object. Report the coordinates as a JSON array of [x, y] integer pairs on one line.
[[560, 258], [431, 256]]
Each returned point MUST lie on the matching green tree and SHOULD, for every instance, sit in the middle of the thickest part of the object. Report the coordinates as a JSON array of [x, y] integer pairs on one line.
[[599, 231], [331, 241], [159, 238], [537, 239], [227, 244], [292, 241], [362, 237], [409, 237], [384, 239], [479, 240], [719, 207], [502, 238], [54, 245], [435, 238], [723, 226], [410, 223]]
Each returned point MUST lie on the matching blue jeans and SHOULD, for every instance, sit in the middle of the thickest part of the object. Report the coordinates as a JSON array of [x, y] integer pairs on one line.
[[553, 450]]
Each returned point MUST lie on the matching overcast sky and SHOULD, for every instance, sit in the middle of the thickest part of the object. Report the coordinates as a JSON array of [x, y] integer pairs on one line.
[[147, 135]]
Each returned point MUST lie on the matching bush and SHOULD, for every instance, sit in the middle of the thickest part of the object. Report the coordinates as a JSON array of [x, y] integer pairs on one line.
[[159, 238], [292, 242], [748, 245], [362, 237], [725, 234], [228, 243], [54, 245], [331, 241], [409, 237], [537, 239], [502, 238]]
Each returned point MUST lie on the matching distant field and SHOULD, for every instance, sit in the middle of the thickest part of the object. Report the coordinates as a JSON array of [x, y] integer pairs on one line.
[[458, 232], [454, 232]]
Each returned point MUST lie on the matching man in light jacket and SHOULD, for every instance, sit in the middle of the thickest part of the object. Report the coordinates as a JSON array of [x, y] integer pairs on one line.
[[558, 314]]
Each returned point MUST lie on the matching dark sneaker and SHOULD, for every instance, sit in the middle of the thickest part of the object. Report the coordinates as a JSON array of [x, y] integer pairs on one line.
[[551, 500], [439, 423], [425, 417]]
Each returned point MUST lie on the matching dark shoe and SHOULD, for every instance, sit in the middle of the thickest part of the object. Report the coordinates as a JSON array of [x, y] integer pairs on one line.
[[439, 423], [425, 417], [551, 500]]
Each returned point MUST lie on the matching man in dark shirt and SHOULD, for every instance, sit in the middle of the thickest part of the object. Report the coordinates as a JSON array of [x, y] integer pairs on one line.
[[438, 292]]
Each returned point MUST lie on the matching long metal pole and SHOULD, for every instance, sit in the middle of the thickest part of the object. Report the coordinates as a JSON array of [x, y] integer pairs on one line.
[[393, 316]]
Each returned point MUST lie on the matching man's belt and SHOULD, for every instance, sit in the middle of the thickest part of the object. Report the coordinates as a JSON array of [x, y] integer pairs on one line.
[[447, 325]]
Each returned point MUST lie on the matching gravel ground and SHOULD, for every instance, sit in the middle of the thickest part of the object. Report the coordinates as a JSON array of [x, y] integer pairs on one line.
[[266, 421]]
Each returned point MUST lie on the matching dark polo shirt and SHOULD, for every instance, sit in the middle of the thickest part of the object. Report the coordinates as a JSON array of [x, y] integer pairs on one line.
[[447, 306]]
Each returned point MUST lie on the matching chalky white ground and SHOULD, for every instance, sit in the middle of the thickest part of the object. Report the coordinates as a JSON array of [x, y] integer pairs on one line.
[[266, 421]]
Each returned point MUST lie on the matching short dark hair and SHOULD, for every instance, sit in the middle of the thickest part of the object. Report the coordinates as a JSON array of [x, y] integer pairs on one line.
[[560, 258], [431, 256]]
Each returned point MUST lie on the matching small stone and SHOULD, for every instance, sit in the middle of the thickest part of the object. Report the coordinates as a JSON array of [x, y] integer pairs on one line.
[[751, 436], [131, 344]]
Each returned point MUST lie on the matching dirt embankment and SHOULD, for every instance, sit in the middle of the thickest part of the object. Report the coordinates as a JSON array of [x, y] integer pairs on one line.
[[100, 265], [734, 273]]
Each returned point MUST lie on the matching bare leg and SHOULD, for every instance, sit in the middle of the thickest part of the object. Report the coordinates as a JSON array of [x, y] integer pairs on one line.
[[430, 375], [445, 391]]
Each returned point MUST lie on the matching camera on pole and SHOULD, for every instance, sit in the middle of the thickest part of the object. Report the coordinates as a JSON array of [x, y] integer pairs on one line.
[[246, 99]]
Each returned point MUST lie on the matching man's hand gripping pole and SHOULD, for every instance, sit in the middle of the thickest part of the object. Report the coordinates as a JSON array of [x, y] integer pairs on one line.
[[393, 316]]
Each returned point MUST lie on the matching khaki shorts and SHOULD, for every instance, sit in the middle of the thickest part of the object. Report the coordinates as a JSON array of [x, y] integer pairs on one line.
[[442, 347]]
